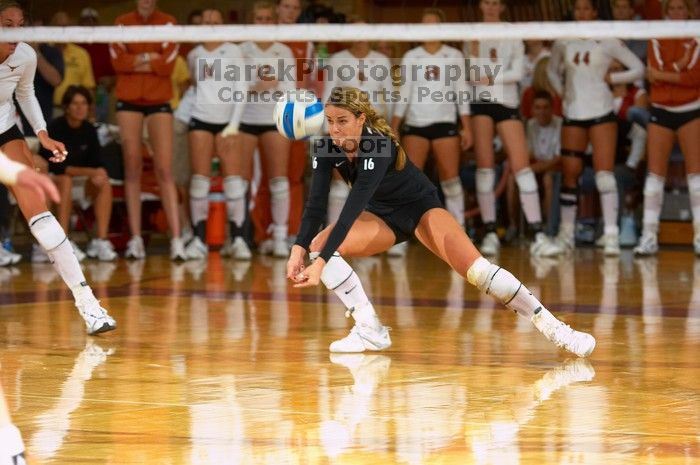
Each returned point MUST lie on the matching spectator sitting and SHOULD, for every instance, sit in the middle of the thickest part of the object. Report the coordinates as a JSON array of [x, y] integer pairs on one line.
[[544, 145], [540, 82], [77, 64], [80, 139]]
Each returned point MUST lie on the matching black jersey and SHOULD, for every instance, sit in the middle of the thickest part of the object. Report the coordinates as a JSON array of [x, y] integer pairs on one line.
[[375, 182]]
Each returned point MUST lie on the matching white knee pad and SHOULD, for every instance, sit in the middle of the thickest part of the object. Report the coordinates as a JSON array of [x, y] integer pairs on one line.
[[452, 187], [199, 186], [336, 271], [493, 280], [235, 187], [47, 231], [339, 190], [693, 185], [605, 181], [525, 178], [485, 179], [279, 187], [654, 184]]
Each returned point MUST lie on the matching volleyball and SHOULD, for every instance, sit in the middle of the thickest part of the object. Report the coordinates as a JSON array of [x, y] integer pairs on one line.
[[299, 115]]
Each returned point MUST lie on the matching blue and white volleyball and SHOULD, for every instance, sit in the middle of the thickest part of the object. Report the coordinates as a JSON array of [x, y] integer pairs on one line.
[[299, 115]]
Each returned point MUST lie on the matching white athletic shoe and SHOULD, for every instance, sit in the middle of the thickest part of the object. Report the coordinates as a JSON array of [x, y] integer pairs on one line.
[[14, 258], [571, 371], [398, 250], [363, 337], [135, 249], [611, 245], [265, 247], [366, 369], [79, 254], [237, 249], [196, 249], [280, 249], [101, 249], [12, 451], [648, 245], [560, 245], [562, 335], [177, 249], [96, 317], [5, 259], [39, 255], [540, 241], [490, 244]]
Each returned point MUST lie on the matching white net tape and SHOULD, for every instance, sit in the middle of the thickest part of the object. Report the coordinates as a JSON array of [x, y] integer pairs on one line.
[[358, 32]]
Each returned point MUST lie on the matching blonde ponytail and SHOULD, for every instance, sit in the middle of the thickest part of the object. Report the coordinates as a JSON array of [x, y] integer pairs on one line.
[[357, 102]]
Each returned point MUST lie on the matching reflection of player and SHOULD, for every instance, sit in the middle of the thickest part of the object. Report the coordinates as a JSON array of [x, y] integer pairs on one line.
[[390, 201]]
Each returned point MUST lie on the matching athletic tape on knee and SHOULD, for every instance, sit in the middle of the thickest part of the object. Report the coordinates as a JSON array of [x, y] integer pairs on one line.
[[605, 182], [493, 280], [525, 178], [654, 185], [199, 186], [336, 272], [339, 190], [279, 187], [485, 179], [235, 187], [452, 187], [47, 230]]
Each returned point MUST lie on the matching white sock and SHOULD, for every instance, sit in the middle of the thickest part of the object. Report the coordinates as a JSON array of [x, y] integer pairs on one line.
[[529, 196], [11, 441], [568, 201], [199, 203], [52, 238], [609, 200], [339, 277], [653, 201], [337, 195], [485, 196], [694, 193], [638, 137], [454, 198], [501, 284], [235, 189], [279, 192]]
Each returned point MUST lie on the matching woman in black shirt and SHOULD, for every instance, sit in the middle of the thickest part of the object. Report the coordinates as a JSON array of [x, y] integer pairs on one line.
[[80, 139], [389, 201]]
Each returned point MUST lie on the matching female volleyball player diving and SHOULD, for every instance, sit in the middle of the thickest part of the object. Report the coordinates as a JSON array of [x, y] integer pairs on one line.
[[17, 68], [389, 201]]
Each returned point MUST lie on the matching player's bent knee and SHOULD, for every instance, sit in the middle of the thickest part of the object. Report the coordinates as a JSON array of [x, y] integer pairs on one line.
[[605, 181], [493, 280]]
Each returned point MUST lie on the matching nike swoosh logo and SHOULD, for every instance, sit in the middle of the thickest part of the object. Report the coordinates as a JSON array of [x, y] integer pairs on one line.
[[13, 68], [353, 288], [338, 164]]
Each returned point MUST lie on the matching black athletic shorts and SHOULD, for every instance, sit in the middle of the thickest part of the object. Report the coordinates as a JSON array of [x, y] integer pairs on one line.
[[404, 219], [145, 109], [587, 123], [671, 119], [199, 125], [256, 129], [495, 111], [11, 134], [431, 132]]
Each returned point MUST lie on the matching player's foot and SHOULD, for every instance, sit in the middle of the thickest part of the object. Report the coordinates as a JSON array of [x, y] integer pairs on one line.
[[648, 245], [538, 243], [363, 337], [562, 335], [490, 244], [196, 249], [96, 317], [135, 249], [280, 249], [12, 450], [562, 244], [611, 245], [177, 249], [572, 371], [101, 249], [237, 249], [398, 250], [9, 258]]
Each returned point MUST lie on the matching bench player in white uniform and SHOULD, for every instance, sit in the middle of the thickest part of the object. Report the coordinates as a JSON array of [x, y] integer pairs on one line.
[[589, 116], [361, 67], [258, 125], [430, 122], [17, 69], [504, 115], [213, 127]]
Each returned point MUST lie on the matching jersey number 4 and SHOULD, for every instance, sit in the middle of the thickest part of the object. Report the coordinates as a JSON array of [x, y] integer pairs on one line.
[[585, 60]]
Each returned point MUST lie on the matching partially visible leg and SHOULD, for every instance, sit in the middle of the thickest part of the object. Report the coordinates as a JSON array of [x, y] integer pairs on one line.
[[443, 236], [100, 190], [688, 139], [237, 163], [447, 153], [12, 451], [64, 183], [160, 132], [603, 138], [201, 148], [369, 235], [275, 153], [337, 195], [417, 149], [483, 130], [131, 132]]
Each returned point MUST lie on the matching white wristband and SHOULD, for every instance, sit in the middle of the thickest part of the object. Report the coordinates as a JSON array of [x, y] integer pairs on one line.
[[9, 170]]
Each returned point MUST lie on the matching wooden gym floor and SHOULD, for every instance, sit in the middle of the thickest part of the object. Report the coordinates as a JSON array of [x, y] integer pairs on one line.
[[222, 363]]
